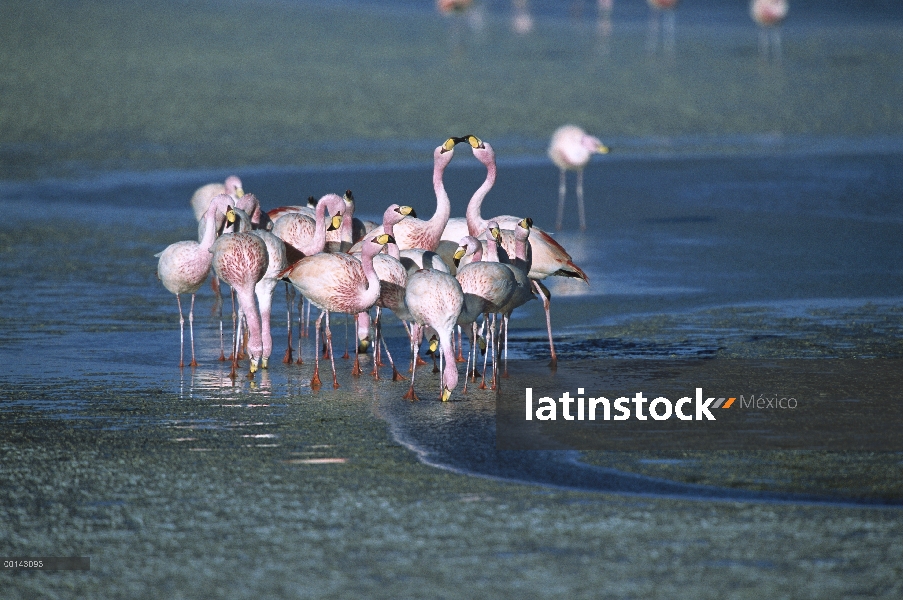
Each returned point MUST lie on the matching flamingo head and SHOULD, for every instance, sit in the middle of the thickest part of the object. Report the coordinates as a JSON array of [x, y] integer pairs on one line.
[[593, 144], [311, 202], [233, 186]]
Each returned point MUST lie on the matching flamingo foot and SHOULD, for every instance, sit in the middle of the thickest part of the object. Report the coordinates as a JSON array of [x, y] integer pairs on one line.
[[420, 362], [380, 363], [287, 359], [335, 382], [346, 356], [315, 382], [193, 363], [483, 386], [396, 376], [553, 364], [460, 359], [299, 361], [356, 370], [411, 395], [222, 357]]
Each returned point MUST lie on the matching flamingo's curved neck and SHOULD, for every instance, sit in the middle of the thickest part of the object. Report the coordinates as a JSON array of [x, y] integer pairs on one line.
[[346, 230], [319, 240], [436, 225], [369, 297], [492, 251], [520, 252], [477, 254], [475, 222], [450, 372], [209, 231], [391, 249]]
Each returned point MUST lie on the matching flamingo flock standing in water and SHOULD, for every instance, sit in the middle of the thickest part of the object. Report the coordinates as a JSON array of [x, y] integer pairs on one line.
[[419, 277]]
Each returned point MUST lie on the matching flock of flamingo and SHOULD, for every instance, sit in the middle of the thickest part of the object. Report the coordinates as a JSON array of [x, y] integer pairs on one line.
[[768, 14], [435, 275]]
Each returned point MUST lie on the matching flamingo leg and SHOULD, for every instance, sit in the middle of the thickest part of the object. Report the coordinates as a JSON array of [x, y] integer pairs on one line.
[[505, 325], [580, 209], [562, 189], [460, 357], [315, 380], [181, 334], [356, 370], [486, 354], [289, 299], [415, 338], [302, 332], [193, 362], [335, 380], [346, 355], [543, 294]]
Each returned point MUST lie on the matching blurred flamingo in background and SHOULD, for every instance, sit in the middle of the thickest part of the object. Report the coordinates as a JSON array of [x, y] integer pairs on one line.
[[570, 149], [661, 19], [521, 19], [769, 14]]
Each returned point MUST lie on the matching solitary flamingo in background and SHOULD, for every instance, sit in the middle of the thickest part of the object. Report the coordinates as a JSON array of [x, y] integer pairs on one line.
[[241, 260], [416, 233], [547, 257], [204, 194], [336, 282], [264, 289], [769, 14], [183, 267], [570, 149], [435, 299], [661, 17]]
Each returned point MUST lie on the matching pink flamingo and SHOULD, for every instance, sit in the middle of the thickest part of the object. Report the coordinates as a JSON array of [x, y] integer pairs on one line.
[[487, 287], [435, 299], [335, 282], [392, 280], [416, 233], [264, 289], [661, 17], [570, 150], [241, 260], [304, 236], [547, 257], [183, 267], [202, 196], [769, 14]]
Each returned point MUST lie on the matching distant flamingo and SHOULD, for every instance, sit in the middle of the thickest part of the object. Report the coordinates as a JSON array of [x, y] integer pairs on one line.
[[183, 267], [570, 150], [337, 283], [416, 233], [435, 299], [240, 259], [547, 257], [769, 14], [267, 285], [661, 17]]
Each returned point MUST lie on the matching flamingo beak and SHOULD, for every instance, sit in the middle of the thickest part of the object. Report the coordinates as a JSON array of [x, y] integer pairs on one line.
[[406, 211], [239, 193], [335, 222], [230, 215], [459, 254], [449, 145], [496, 233], [363, 345], [526, 223], [446, 394], [474, 141], [603, 149], [348, 197]]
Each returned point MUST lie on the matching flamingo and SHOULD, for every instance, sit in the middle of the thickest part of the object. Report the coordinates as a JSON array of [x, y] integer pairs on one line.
[[661, 16], [519, 268], [769, 14], [392, 280], [241, 260], [335, 282], [547, 257], [416, 233], [435, 300], [202, 196], [570, 150], [267, 285], [487, 287], [183, 267], [304, 236]]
